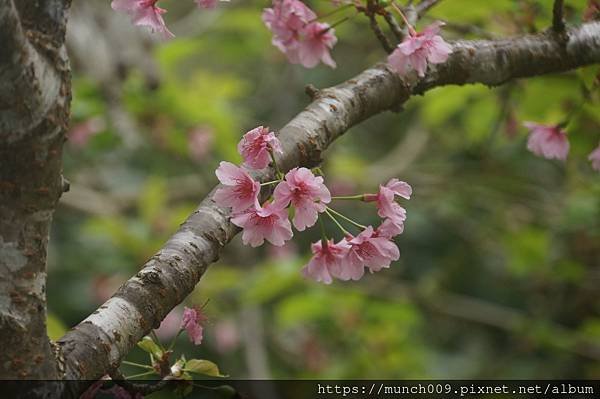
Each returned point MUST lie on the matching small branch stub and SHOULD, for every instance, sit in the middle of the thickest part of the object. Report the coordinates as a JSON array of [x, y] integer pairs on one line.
[[312, 91], [558, 23]]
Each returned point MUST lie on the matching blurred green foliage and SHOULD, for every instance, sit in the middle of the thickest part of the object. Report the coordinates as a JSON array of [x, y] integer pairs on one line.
[[500, 262]]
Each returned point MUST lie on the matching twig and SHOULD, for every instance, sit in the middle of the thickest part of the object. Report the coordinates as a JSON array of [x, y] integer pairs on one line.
[[424, 6], [558, 23], [370, 12], [387, 46], [133, 388], [393, 24]]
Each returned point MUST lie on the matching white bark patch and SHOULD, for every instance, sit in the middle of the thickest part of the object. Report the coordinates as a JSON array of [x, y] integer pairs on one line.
[[118, 320], [11, 258], [36, 287]]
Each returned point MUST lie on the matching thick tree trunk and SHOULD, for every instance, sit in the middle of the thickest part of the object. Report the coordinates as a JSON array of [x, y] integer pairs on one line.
[[34, 114]]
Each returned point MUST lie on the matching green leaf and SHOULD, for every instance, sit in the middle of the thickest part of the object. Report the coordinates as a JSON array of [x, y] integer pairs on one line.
[[205, 367], [148, 345]]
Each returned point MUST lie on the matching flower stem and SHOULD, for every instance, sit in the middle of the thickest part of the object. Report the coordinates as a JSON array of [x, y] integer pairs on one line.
[[323, 232], [411, 29], [333, 25], [144, 366], [175, 339], [279, 174], [267, 183], [330, 13], [360, 226], [205, 303], [155, 338], [139, 375], [346, 232], [349, 197]]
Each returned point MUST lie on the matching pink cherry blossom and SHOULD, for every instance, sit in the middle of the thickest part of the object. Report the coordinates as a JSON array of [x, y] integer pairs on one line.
[[327, 260], [286, 20], [370, 250], [548, 141], [269, 222], [191, 322], [419, 48], [240, 191], [385, 200], [317, 40], [296, 33], [306, 192], [144, 13], [256, 145], [594, 157], [389, 229], [208, 4]]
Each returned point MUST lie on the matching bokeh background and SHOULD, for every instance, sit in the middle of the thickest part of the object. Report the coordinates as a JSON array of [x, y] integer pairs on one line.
[[500, 265]]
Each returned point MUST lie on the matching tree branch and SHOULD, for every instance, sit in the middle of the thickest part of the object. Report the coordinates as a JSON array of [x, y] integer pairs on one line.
[[100, 342]]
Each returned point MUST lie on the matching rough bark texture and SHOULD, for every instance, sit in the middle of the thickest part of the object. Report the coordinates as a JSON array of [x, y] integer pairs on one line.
[[100, 341], [34, 113]]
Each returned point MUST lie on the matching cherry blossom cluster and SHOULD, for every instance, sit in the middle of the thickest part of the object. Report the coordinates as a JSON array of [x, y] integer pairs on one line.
[[298, 35], [551, 142], [148, 13], [419, 49], [305, 195]]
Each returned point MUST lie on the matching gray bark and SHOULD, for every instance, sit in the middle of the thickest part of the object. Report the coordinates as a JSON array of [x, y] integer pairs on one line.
[[34, 113], [99, 342]]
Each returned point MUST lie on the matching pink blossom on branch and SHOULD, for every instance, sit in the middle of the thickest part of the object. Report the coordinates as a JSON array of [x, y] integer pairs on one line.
[[240, 191], [144, 13], [385, 200], [547, 141], [594, 157], [327, 260], [296, 33], [269, 222], [286, 20], [306, 192], [370, 250], [418, 49], [256, 145], [191, 322], [389, 229], [317, 40]]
